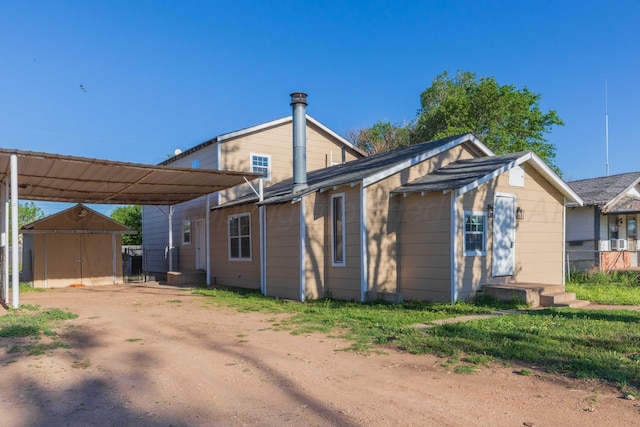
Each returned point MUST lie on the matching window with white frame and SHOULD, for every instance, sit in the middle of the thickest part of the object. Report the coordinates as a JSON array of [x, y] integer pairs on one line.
[[475, 233], [338, 236], [186, 232], [261, 163], [240, 237]]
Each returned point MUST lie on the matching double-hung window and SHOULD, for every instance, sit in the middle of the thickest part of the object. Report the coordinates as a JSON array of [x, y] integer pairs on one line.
[[240, 237], [186, 232], [338, 236], [475, 233], [261, 163]]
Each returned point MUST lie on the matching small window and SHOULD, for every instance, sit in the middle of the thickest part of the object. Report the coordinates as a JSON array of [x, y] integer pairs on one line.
[[261, 164], [475, 236], [186, 232], [195, 164], [240, 237], [338, 236]]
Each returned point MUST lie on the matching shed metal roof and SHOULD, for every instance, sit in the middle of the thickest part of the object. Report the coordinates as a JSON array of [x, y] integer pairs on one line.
[[58, 178]]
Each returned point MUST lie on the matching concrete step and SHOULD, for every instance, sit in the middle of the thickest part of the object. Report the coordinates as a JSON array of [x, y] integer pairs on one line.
[[576, 303], [555, 298], [187, 278]]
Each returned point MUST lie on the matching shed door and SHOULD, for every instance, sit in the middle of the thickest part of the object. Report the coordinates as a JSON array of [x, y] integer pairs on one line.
[[504, 232], [201, 250]]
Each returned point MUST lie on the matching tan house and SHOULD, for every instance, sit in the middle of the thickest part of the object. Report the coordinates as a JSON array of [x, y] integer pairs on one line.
[[266, 149], [78, 246], [434, 221]]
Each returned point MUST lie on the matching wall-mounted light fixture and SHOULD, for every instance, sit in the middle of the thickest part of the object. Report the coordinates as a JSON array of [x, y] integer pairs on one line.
[[490, 210], [519, 213], [620, 220]]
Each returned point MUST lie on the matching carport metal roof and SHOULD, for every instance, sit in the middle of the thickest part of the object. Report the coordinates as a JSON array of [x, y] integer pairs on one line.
[[60, 178]]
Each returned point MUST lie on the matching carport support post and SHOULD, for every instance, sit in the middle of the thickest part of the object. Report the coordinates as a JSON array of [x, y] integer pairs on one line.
[[15, 289], [207, 238], [5, 241], [170, 238]]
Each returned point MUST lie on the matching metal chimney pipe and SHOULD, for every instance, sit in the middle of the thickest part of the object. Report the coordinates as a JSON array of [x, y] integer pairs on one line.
[[299, 105]]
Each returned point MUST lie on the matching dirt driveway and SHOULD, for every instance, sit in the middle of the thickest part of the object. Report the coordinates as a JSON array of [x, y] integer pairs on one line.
[[140, 357]]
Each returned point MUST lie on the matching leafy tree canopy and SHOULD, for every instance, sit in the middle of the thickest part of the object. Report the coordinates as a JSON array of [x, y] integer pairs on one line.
[[131, 216], [28, 212], [504, 118], [383, 136]]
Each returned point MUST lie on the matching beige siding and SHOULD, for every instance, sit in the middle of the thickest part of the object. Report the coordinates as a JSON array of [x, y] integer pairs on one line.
[[424, 248], [385, 213], [61, 259], [538, 240], [235, 154], [226, 272], [283, 251], [315, 244], [277, 142], [343, 282]]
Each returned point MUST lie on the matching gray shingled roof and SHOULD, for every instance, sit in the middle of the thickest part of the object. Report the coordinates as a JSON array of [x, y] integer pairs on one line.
[[600, 191], [353, 171], [458, 174], [627, 204]]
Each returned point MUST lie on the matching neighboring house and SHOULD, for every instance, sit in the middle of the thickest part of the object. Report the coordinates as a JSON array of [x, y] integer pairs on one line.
[[264, 149], [77, 246], [603, 233], [434, 221]]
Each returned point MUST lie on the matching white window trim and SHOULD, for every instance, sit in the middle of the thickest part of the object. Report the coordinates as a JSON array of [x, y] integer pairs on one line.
[[229, 218], [334, 263], [184, 222], [484, 233], [268, 157]]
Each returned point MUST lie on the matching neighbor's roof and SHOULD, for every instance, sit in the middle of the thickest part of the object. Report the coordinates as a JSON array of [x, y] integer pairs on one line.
[[256, 128], [464, 175], [367, 170], [54, 177], [605, 190], [626, 204]]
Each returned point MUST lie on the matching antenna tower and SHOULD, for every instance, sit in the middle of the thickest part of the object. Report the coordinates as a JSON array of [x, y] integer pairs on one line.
[[606, 121]]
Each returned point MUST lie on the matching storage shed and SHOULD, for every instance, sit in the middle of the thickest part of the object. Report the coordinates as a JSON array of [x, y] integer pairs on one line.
[[78, 246]]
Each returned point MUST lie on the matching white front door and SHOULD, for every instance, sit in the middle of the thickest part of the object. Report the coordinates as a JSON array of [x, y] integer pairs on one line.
[[201, 242], [504, 234]]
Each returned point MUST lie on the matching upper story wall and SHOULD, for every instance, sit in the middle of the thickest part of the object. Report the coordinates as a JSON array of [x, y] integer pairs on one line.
[[276, 143]]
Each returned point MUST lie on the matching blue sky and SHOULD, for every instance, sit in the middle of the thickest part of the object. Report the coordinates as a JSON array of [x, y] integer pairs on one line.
[[162, 75]]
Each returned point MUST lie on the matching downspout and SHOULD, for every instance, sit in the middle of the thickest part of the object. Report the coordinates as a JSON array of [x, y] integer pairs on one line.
[[263, 241], [303, 248], [364, 274], [454, 247], [15, 289], [564, 241]]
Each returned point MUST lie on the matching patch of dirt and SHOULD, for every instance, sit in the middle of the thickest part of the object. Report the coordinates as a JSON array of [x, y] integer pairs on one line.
[[159, 356]]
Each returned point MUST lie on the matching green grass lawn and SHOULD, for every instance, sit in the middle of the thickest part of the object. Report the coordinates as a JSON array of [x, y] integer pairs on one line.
[[31, 322], [617, 288]]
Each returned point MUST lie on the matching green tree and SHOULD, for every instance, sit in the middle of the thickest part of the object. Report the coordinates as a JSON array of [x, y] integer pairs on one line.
[[28, 212], [504, 118], [381, 137], [131, 216]]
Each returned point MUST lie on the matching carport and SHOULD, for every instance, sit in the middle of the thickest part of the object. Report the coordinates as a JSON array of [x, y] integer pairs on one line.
[[38, 176]]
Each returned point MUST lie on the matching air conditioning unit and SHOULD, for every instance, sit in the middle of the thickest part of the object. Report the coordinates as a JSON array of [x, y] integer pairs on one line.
[[619, 244]]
